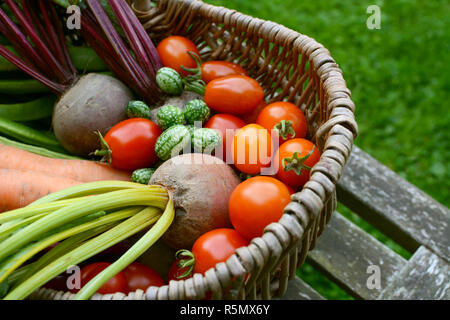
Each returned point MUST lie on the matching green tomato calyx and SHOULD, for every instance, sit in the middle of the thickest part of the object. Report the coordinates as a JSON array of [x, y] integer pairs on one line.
[[296, 163]]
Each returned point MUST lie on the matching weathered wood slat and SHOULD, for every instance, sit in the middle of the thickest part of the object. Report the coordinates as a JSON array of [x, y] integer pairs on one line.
[[393, 205], [344, 253], [299, 290], [425, 277]]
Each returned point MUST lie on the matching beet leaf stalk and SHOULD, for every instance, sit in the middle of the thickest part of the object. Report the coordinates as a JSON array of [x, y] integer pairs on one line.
[[92, 102], [44, 58], [134, 60]]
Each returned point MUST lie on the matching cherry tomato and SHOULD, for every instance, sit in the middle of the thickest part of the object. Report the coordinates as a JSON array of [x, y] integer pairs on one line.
[[139, 276], [291, 189], [252, 149], [251, 117], [235, 94], [177, 272], [118, 283], [173, 52], [212, 70], [294, 159], [58, 283], [257, 202], [216, 246], [286, 118], [132, 144], [114, 252], [222, 123]]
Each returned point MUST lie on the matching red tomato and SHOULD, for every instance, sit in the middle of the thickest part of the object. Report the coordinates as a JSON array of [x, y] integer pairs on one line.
[[173, 52], [251, 117], [58, 283], [273, 115], [252, 149], [113, 252], [235, 94], [305, 155], [212, 70], [291, 189], [216, 246], [176, 272], [257, 202], [139, 276], [132, 144], [118, 283], [222, 123]]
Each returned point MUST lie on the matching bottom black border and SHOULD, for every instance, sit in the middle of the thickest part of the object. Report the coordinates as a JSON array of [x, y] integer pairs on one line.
[[183, 309]]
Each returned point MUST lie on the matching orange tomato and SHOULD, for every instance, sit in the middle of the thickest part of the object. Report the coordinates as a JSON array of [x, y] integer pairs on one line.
[[216, 246], [294, 159], [285, 118], [252, 149], [212, 70], [173, 52], [235, 94], [257, 202]]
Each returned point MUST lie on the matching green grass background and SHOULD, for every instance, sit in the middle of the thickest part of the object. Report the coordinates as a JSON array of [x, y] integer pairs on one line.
[[399, 76]]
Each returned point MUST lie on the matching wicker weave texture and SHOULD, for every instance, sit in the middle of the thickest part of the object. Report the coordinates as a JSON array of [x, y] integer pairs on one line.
[[291, 67]]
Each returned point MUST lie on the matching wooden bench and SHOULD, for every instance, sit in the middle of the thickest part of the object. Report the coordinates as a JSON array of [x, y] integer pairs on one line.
[[349, 256]]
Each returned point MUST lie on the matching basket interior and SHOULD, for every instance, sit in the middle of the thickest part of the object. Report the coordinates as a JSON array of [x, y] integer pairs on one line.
[[290, 67]]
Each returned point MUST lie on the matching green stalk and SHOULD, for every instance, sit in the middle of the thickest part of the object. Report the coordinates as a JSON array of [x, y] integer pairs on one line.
[[91, 188], [75, 223], [27, 111], [22, 86], [61, 249], [109, 201], [18, 274], [32, 210], [9, 228], [35, 248], [22, 274], [8, 266], [84, 59], [142, 245], [29, 135], [92, 247], [36, 150]]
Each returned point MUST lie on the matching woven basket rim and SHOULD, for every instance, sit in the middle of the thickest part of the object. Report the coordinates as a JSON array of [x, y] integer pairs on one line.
[[339, 99]]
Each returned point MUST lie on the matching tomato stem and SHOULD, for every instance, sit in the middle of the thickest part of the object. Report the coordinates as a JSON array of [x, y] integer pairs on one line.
[[194, 81], [105, 152], [197, 71], [195, 85], [284, 129], [186, 260], [296, 162]]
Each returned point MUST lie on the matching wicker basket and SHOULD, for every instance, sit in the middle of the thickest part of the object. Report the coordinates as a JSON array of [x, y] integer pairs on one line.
[[292, 67]]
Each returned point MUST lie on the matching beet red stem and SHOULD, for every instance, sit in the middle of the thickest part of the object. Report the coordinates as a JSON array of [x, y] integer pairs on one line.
[[39, 41], [19, 41], [143, 36], [132, 37], [105, 50], [11, 57], [66, 59], [142, 74], [114, 39], [51, 64]]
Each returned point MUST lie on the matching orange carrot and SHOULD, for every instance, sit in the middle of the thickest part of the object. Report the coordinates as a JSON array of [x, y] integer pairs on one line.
[[19, 188], [80, 170]]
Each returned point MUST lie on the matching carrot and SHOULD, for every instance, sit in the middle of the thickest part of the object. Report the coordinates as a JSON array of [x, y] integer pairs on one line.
[[19, 188], [79, 170]]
